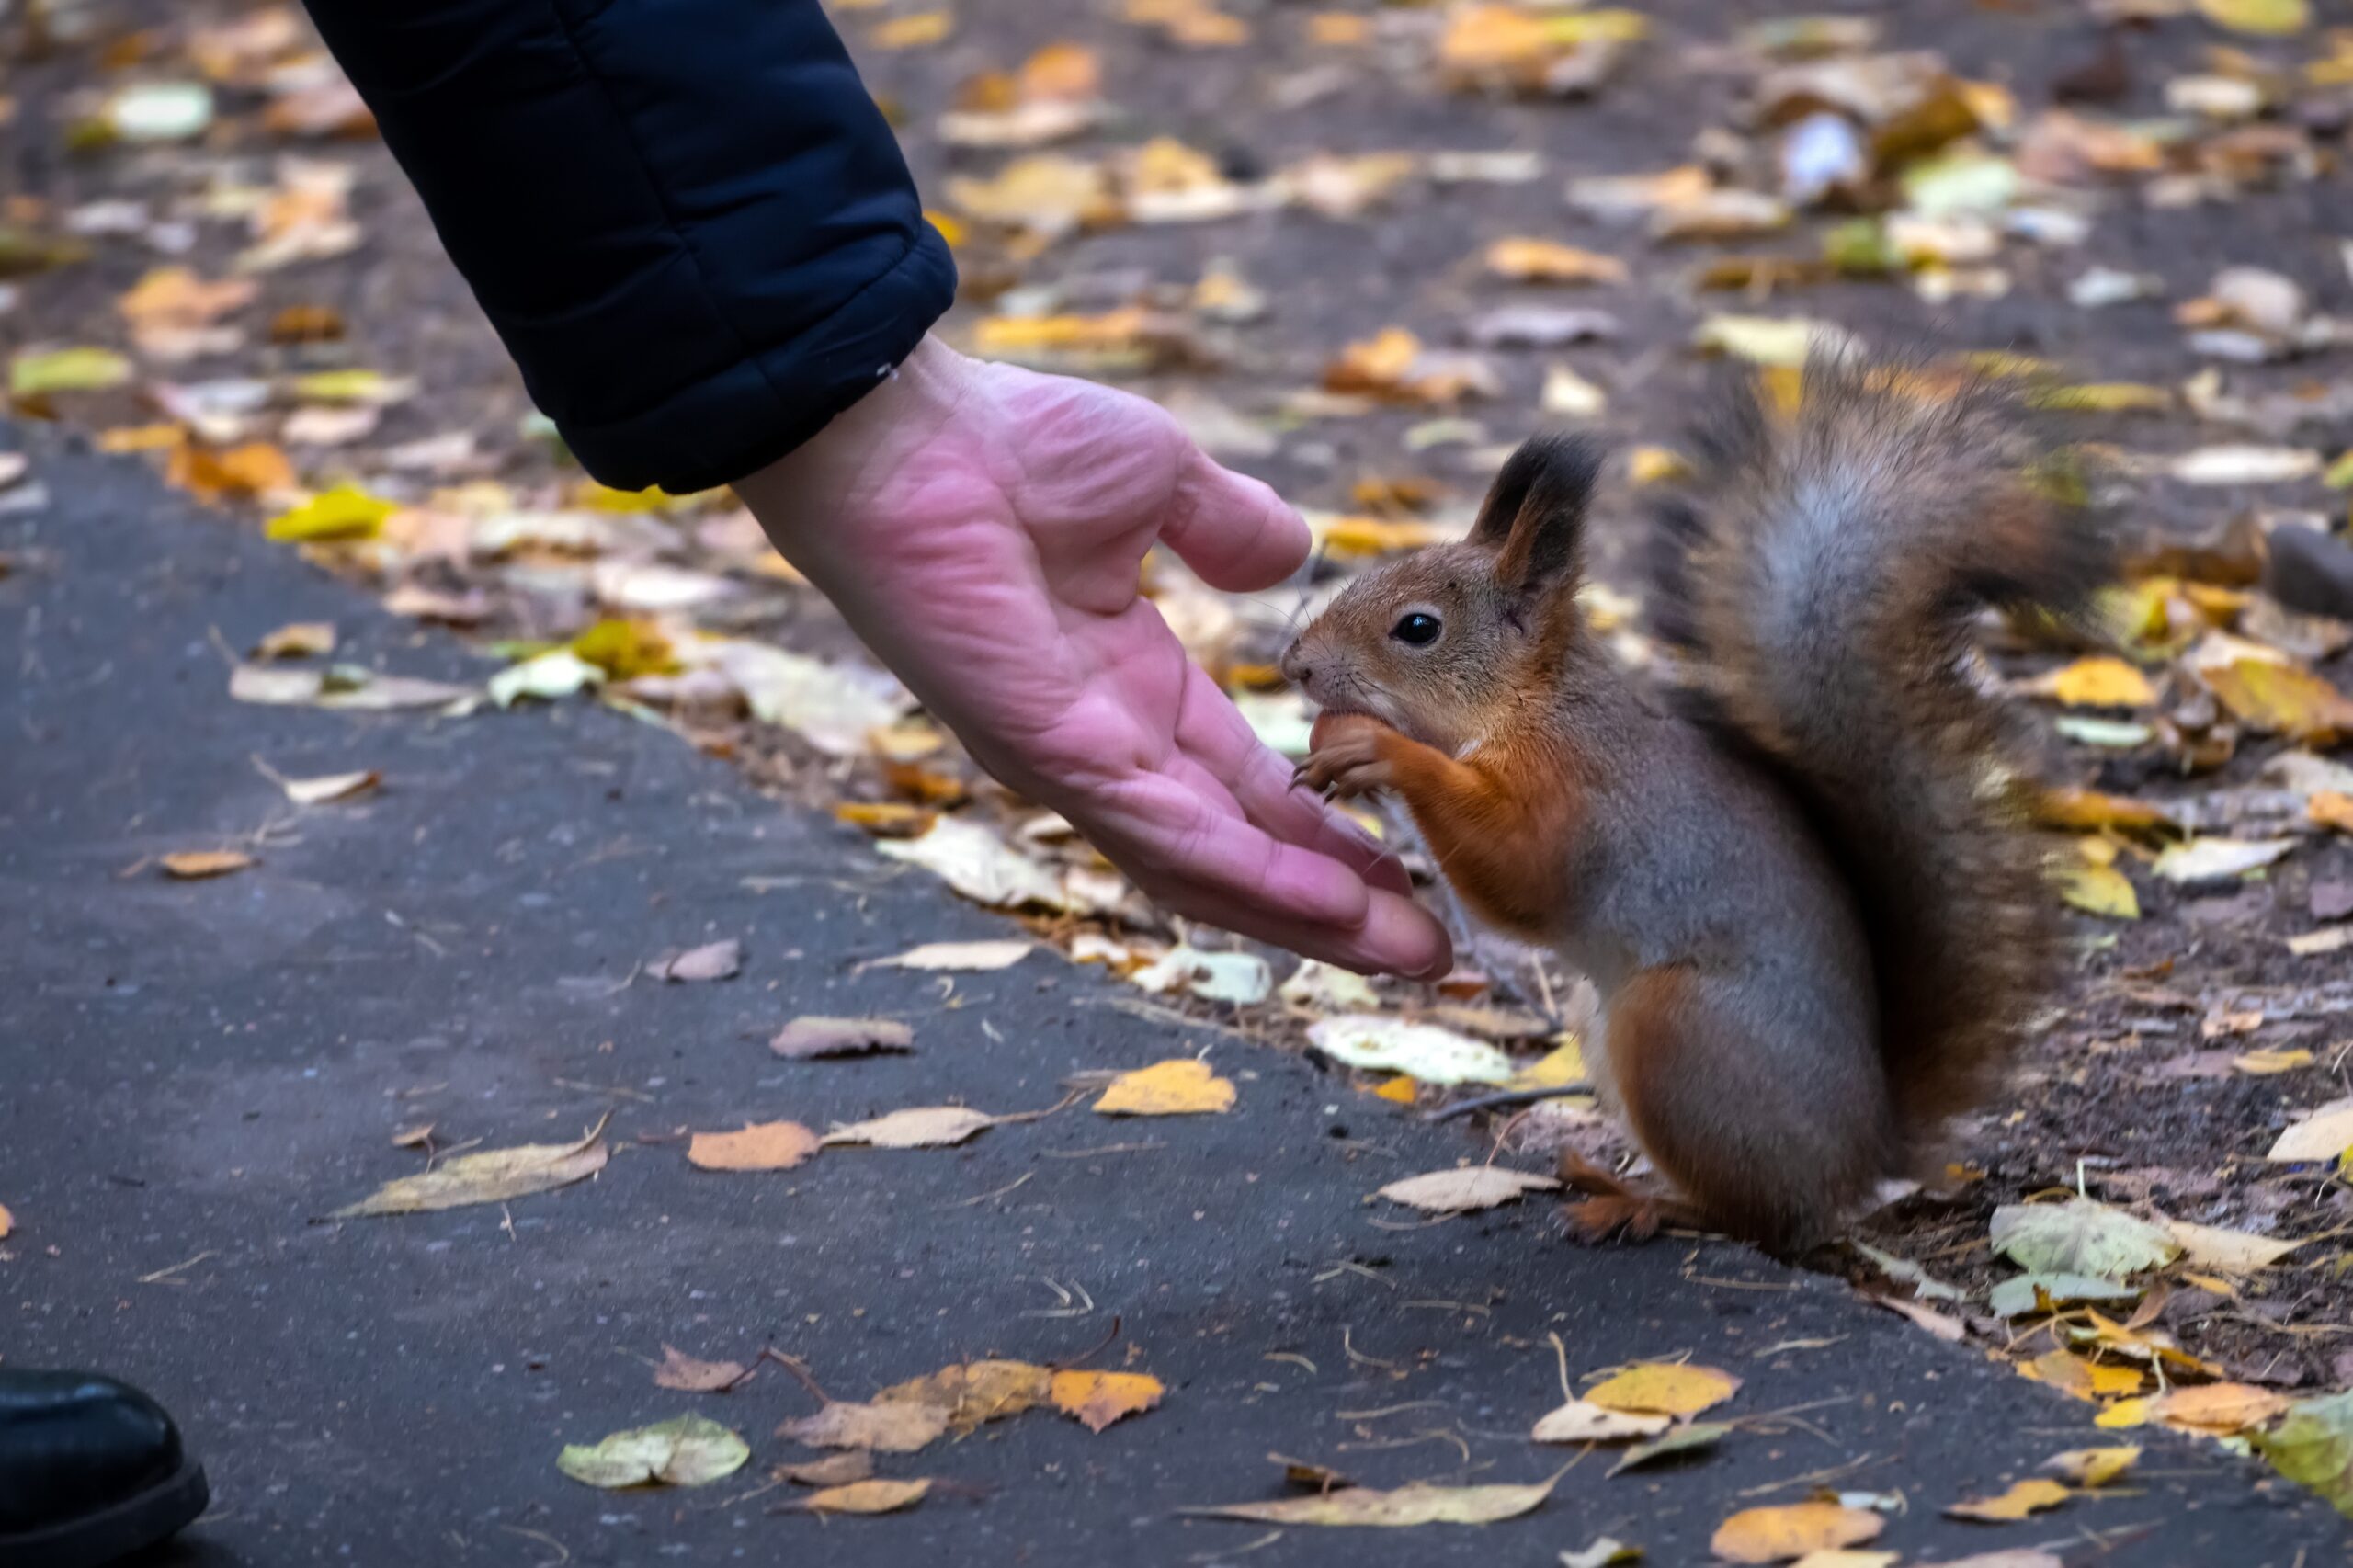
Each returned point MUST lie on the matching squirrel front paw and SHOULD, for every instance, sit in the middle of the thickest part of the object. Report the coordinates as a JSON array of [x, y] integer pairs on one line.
[[1346, 760]]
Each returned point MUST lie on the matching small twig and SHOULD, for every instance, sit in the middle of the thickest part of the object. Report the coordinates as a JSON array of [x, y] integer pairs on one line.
[[798, 1368], [1097, 1349], [1000, 1192], [161, 1275], [1506, 1097]]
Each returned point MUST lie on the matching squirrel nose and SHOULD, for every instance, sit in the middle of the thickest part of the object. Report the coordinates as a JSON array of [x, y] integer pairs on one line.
[[1295, 665]]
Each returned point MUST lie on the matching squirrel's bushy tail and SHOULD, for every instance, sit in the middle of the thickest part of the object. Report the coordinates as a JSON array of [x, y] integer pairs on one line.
[[1818, 578]]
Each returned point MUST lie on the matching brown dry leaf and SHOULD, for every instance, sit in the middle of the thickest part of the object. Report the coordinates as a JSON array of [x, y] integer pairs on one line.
[[713, 960], [972, 1392], [919, 1127], [2219, 1408], [681, 1372], [2267, 695], [2328, 808], [8, 1222], [1660, 1388], [959, 957], [2324, 1133], [1581, 1421], [764, 1146], [415, 1137], [1184, 1087], [892, 1428], [297, 640], [1549, 261], [807, 1038], [241, 474], [2090, 811], [1461, 1190], [1418, 1503], [1779, 1534], [493, 1175], [919, 29], [834, 1470], [1394, 366], [196, 865], [174, 297], [2024, 1497], [2265, 1063], [879, 1496], [1097, 1399], [2232, 1251], [2093, 1467], [1943, 1325]]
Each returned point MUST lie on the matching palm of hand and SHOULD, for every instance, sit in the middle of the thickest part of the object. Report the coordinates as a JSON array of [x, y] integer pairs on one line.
[[991, 556]]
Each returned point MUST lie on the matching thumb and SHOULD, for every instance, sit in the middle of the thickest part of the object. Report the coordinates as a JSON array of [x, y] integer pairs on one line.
[[1235, 532]]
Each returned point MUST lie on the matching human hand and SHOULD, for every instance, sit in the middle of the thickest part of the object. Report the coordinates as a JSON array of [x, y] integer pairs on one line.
[[983, 528]]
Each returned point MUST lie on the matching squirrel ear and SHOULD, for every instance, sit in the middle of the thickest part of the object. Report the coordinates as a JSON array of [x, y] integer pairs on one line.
[[1534, 515]]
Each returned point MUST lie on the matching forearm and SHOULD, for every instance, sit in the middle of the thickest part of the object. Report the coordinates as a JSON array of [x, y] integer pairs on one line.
[[1500, 838]]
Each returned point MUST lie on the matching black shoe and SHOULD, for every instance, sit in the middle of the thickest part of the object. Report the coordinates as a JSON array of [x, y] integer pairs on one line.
[[90, 1471]]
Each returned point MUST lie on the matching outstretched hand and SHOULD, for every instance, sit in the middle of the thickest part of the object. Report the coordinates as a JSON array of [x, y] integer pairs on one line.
[[982, 527]]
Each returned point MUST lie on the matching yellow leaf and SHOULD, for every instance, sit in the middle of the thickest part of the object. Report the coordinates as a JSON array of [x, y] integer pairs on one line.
[[2100, 889], [1549, 261], [1184, 1087], [2103, 397], [2275, 19], [2127, 1413], [2070, 1374], [1556, 1069], [8, 1222], [1377, 364], [1418, 1503], [1006, 337], [345, 512], [141, 439], [194, 865], [1397, 1091], [1097, 1399], [1353, 538], [895, 819], [882, 1496], [1659, 1388], [973, 1393], [2089, 811], [2220, 1408], [2268, 695], [2024, 1497], [2099, 682], [2329, 808], [763, 1146], [1767, 340], [2093, 1467], [1778, 1534], [896, 1428], [493, 1175], [625, 649], [2263, 1064], [296, 640], [917, 30], [240, 473], [66, 371], [1655, 465]]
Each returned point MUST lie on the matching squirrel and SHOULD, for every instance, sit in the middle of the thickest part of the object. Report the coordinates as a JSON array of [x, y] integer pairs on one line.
[[1801, 873]]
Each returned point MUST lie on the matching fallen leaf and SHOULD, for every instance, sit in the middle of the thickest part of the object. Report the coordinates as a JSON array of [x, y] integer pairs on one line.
[[2245, 465], [1097, 1399], [1183, 1087], [2222, 1408], [834, 1470], [879, 1497], [2322, 1134], [296, 640], [1549, 261], [2093, 1467], [2211, 859], [345, 512], [2272, 18], [547, 678], [343, 686], [836, 707], [1607, 1551], [2015, 1557], [2088, 810], [961, 957], [2024, 1497], [492, 1175], [980, 865], [2328, 808], [1779, 1534], [66, 371], [1418, 1503], [812, 1037], [2080, 1236], [975, 1392], [2100, 889], [890, 1428], [2047, 1292], [1765, 340], [1468, 1187], [1663, 1388], [1424, 1050], [2070, 1374], [329, 787], [681, 1372], [1242, 979], [2266, 1063], [1319, 987], [763, 1146], [2100, 682], [1945, 1326], [2314, 1447], [920, 1127], [8, 1222], [690, 1450], [713, 960], [1581, 1421], [2280, 698], [196, 865], [1691, 1439]]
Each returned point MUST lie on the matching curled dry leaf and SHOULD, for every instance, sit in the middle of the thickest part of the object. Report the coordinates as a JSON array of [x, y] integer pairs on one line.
[[329, 787], [763, 1146], [2323, 1134], [1692, 1438], [1184, 1087], [492, 1175], [1660, 1388], [713, 960], [2103, 681], [893, 1428], [2093, 1467], [1581, 1421], [681, 1372], [2219, 1409], [980, 865], [2211, 859], [297, 640], [919, 1127], [2229, 1252], [812, 1037], [1460, 1191], [877, 1497], [1097, 1399], [959, 957], [1779, 1534], [2023, 1498], [8, 1222], [1607, 1551], [1416, 1505], [692, 1451], [834, 1470], [197, 865]]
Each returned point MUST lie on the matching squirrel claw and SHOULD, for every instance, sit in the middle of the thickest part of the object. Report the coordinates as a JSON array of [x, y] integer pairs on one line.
[[1611, 1208]]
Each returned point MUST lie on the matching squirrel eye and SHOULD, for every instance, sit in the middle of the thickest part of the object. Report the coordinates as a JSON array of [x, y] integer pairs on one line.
[[1419, 630]]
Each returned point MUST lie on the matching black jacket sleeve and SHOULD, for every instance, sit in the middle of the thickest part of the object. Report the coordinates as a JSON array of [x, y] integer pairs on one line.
[[686, 218]]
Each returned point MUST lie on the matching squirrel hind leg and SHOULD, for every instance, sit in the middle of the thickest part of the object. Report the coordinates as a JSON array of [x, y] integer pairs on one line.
[[1614, 1208], [1766, 1149]]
